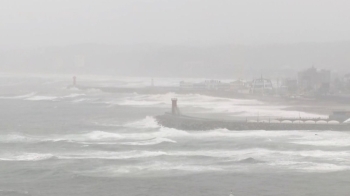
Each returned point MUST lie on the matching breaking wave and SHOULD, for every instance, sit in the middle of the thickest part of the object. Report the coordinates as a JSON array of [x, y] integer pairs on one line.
[[151, 134], [304, 166], [73, 95], [91, 136], [94, 137], [260, 154], [35, 97], [314, 138], [13, 193], [148, 122], [113, 155], [14, 138], [41, 98], [26, 157], [206, 160], [153, 167], [98, 135], [80, 100], [20, 96], [153, 141]]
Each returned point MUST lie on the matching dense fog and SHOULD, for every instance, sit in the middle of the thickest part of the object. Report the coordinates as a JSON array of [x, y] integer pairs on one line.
[[173, 38], [174, 97]]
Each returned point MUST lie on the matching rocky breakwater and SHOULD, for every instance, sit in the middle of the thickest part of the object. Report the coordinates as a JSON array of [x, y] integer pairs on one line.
[[182, 122]]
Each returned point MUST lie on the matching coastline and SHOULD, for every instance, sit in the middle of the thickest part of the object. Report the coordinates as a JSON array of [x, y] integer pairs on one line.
[[313, 106], [318, 106]]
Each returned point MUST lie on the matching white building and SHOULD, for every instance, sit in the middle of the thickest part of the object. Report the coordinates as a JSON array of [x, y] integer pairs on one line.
[[261, 86]]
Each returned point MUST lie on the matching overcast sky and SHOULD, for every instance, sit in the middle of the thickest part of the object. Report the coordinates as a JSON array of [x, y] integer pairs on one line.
[[59, 22]]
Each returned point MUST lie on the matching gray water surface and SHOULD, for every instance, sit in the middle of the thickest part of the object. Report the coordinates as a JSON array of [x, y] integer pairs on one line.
[[58, 141]]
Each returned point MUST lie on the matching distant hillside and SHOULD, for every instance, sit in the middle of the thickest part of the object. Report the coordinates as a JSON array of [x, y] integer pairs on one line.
[[179, 61]]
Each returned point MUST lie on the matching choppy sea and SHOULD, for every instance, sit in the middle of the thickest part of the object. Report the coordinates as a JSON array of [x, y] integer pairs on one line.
[[56, 140]]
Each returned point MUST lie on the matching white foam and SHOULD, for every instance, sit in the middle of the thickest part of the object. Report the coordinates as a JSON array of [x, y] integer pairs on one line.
[[20, 96], [314, 138], [25, 157], [152, 167], [34, 97], [309, 166], [324, 167], [150, 142], [73, 95], [93, 136], [13, 138], [80, 100], [335, 143], [323, 138], [85, 137], [224, 133], [141, 138], [112, 155], [323, 161], [20, 138], [265, 155], [139, 103], [148, 122], [42, 98]]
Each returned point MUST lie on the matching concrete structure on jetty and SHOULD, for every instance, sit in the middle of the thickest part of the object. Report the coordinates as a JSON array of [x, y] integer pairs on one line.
[[183, 122]]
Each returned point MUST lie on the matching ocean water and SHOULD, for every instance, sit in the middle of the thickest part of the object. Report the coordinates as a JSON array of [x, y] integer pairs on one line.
[[60, 141]]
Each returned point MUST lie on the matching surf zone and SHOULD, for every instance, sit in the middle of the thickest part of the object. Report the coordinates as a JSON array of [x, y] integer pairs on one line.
[[177, 120]]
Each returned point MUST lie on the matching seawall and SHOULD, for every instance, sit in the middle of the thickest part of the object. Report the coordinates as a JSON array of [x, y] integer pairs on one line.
[[199, 124]]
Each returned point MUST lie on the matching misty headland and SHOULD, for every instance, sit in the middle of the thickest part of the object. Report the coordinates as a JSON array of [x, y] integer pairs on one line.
[[159, 60]]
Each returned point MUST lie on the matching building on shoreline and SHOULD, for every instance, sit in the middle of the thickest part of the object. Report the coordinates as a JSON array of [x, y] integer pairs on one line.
[[261, 86], [216, 85], [240, 86], [309, 83]]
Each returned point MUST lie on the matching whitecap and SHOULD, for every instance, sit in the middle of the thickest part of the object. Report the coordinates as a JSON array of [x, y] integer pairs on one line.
[[112, 155], [25, 157], [150, 142], [42, 98], [302, 166], [148, 122], [20, 96], [73, 95], [94, 136], [322, 138], [162, 167], [19, 138], [80, 100]]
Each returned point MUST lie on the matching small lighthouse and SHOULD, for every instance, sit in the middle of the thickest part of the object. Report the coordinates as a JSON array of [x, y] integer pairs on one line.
[[174, 109]]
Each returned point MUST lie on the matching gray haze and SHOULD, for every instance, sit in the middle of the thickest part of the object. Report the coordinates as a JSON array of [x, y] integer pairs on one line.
[[126, 36]]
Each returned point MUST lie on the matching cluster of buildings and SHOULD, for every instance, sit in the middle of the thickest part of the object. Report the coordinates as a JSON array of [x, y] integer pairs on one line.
[[313, 82], [309, 82], [206, 85], [260, 85]]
